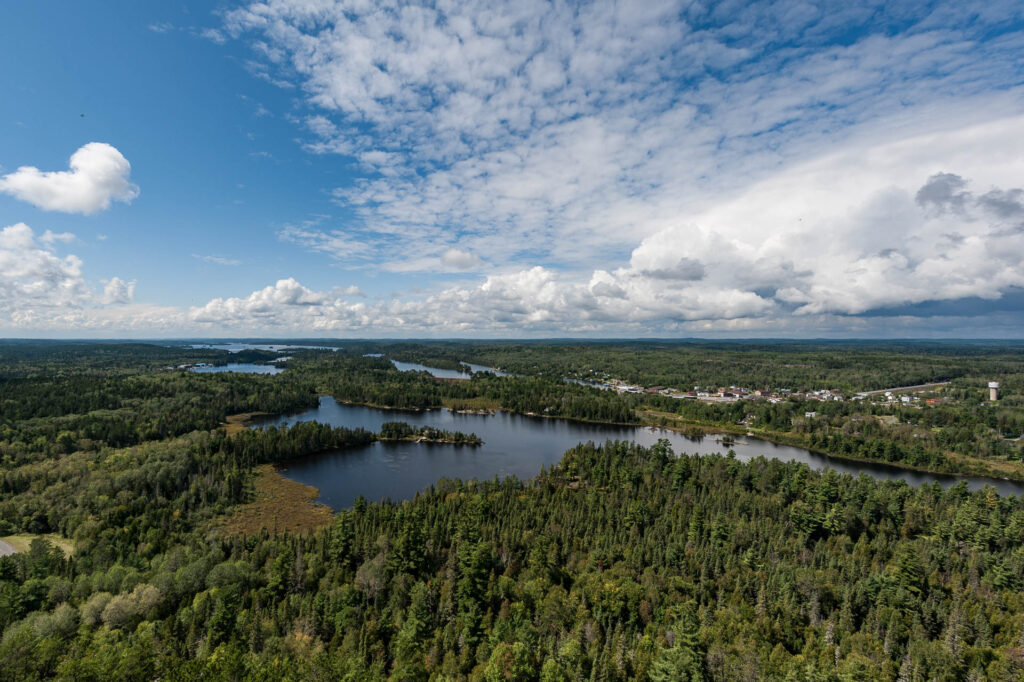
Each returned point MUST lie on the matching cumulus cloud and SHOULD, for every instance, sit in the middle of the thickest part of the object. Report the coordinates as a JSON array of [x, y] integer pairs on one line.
[[31, 274], [352, 290], [281, 304], [43, 290], [97, 175], [684, 269], [864, 227], [535, 300], [116, 290], [460, 260]]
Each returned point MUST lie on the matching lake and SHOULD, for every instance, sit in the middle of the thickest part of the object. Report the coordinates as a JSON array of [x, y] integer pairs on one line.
[[253, 368], [443, 373], [243, 367], [271, 347], [515, 445]]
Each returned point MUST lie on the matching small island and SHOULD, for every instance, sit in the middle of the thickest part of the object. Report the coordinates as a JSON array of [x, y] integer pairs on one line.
[[425, 434]]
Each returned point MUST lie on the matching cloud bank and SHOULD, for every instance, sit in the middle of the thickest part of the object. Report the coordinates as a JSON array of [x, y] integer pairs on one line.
[[832, 239], [607, 168], [562, 134], [40, 289]]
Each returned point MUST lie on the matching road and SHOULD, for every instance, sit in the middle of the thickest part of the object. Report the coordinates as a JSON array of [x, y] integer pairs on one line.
[[6, 549]]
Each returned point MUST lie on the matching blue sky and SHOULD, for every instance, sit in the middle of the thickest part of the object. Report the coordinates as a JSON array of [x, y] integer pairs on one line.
[[314, 168]]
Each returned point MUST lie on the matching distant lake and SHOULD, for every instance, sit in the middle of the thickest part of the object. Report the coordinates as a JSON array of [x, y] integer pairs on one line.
[[443, 373], [517, 445], [484, 368], [242, 367], [273, 348]]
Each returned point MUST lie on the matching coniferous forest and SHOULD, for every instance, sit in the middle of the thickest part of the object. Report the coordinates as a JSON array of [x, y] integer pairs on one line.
[[619, 563]]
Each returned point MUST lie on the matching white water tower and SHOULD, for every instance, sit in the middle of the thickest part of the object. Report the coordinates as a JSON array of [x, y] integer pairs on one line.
[[993, 391]]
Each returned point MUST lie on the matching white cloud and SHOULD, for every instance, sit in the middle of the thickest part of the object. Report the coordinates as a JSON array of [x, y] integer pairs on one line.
[[116, 290], [218, 260], [283, 304], [97, 174], [565, 134], [44, 291], [352, 290], [212, 35], [49, 237], [32, 275], [460, 260], [533, 302], [865, 227], [654, 167], [338, 244]]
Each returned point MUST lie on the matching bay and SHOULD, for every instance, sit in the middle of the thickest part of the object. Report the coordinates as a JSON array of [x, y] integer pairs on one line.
[[519, 445]]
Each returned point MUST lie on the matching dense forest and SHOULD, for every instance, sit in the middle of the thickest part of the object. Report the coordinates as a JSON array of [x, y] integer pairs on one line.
[[403, 431], [619, 563], [798, 365]]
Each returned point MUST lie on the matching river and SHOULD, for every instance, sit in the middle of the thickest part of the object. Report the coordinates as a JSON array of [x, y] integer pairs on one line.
[[516, 445]]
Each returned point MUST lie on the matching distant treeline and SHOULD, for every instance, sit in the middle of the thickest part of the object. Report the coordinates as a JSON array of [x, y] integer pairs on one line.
[[798, 365]]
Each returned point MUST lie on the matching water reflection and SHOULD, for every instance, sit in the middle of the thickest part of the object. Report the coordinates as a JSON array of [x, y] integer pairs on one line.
[[517, 445], [242, 367]]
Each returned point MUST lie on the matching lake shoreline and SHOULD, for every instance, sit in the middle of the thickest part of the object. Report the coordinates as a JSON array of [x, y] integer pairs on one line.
[[781, 439], [431, 441], [518, 445], [705, 430]]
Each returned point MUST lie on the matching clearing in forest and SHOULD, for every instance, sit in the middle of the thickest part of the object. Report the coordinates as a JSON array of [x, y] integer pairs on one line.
[[280, 505]]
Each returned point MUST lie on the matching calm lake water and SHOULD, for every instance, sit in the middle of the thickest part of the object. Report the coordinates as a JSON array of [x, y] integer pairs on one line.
[[272, 347], [514, 445], [243, 367], [434, 371], [443, 373]]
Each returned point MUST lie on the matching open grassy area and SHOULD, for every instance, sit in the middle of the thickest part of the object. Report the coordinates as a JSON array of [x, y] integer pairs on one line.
[[238, 422], [990, 466], [280, 505], [21, 543]]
